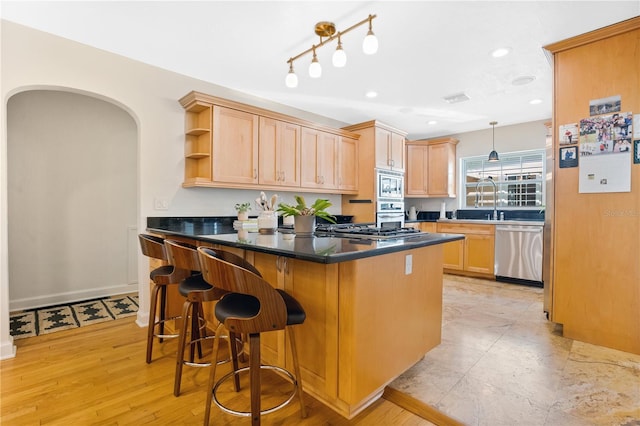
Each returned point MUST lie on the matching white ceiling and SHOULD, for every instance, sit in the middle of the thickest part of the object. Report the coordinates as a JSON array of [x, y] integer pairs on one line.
[[428, 50]]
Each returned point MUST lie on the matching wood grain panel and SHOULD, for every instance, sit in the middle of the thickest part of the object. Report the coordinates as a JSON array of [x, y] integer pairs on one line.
[[597, 236]]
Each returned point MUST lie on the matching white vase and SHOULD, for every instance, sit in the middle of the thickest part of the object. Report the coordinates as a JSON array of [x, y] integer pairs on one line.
[[304, 225], [243, 215]]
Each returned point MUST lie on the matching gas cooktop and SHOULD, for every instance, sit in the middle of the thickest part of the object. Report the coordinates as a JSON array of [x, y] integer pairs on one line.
[[349, 230]]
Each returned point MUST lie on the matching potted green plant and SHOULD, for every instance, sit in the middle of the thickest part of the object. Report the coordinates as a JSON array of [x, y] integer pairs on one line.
[[305, 216], [243, 210]]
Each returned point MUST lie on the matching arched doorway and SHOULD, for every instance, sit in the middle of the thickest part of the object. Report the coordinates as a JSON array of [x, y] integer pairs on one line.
[[72, 198]]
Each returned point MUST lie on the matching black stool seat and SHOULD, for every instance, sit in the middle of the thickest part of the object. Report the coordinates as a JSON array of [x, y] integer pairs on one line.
[[193, 283], [246, 306]]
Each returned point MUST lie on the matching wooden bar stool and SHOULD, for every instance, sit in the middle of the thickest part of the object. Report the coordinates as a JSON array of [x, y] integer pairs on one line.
[[252, 306], [196, 292], [153, 247]]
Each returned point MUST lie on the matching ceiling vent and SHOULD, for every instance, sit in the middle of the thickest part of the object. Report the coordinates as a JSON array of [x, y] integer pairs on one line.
[[458, 97]]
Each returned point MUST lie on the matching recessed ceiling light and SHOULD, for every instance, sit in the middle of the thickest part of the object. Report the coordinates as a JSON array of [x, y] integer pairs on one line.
[[371, 94], [432, 122], [535, 101], [521, 81], [500, 52]]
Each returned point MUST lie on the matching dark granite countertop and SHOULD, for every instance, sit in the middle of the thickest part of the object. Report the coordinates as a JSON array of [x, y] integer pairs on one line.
[[314, 249]]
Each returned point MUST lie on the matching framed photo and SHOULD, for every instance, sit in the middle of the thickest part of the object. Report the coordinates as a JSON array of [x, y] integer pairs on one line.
[[568, 134], [636, 151], [569, 157], [604, 105]]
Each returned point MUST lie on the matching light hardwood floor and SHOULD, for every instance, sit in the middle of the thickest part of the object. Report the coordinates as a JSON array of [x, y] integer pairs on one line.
[[97, 375]]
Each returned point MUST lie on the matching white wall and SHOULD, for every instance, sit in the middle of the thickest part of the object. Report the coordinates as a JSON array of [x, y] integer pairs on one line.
[[518, 137], [35, 60], [72, 164]]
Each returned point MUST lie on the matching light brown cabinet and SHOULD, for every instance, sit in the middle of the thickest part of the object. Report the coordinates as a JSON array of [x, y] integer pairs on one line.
[[319, 154], [596, 237], [279, 153], [233, 145], [389, 149], [378, 146], [197, 147], [348, 164], [431, 168], [472, 256]]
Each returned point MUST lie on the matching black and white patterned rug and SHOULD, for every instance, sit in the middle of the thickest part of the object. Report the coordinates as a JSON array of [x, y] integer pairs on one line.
[[34, 322]]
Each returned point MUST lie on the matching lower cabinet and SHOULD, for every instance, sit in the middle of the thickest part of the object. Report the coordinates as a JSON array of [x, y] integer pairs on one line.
[[422, 226], [475, 255]]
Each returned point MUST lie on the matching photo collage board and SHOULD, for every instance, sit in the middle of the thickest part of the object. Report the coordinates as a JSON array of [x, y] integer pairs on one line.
[[587, 144]]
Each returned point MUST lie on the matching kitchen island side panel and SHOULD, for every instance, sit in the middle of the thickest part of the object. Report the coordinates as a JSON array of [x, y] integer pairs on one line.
[[388, 320]]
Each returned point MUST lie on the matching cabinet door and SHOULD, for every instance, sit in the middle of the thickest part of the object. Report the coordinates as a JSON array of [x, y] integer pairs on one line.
[[383, 145], [417, 165], [318, 161], [479, 253], [309, 172], [279, 152], [453, 255], [396, 152], [289, 153], [268, 152], [441, 171], [235, 146], [348, 164], [428, 226], [315, 286]]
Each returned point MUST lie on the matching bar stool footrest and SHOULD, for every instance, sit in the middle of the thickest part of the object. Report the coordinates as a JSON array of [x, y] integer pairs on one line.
[[287, 375], [239, 346]]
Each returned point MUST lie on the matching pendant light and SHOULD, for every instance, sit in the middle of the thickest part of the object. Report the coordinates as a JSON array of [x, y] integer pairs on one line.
[[315, 70], [339, 58], [292, 79], [370, 42], [493, 155]]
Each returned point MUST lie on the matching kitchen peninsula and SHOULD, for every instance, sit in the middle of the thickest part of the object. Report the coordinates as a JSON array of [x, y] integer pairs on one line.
[[374, 307]]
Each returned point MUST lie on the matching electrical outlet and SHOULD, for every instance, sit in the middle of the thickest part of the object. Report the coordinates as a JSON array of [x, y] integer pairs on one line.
[[160, 203], [408, 264]]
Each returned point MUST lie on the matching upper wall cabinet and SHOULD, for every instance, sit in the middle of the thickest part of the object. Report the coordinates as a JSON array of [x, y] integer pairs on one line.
[[319, 159], [389, 150], [431, 168], [348, 164], [279, 153], [233, 145], [384, 143]]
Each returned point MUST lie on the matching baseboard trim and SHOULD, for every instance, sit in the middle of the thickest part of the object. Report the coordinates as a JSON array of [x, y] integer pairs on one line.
[[419, 408], [69, 297]]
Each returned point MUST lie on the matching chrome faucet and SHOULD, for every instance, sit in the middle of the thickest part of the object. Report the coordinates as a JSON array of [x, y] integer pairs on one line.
[[495, 195]]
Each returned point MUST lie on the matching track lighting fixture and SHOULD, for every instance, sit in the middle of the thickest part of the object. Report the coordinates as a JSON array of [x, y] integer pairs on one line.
[[327, 33], [493, 155]]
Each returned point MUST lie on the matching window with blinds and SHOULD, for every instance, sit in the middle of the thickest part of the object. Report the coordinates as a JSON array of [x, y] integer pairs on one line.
[[516, 181]]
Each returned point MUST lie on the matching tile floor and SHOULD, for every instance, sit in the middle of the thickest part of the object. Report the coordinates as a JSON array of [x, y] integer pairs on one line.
[[502, 363]]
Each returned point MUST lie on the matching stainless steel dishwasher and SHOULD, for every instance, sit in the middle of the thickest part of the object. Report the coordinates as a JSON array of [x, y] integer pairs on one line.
[[518, 254]]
